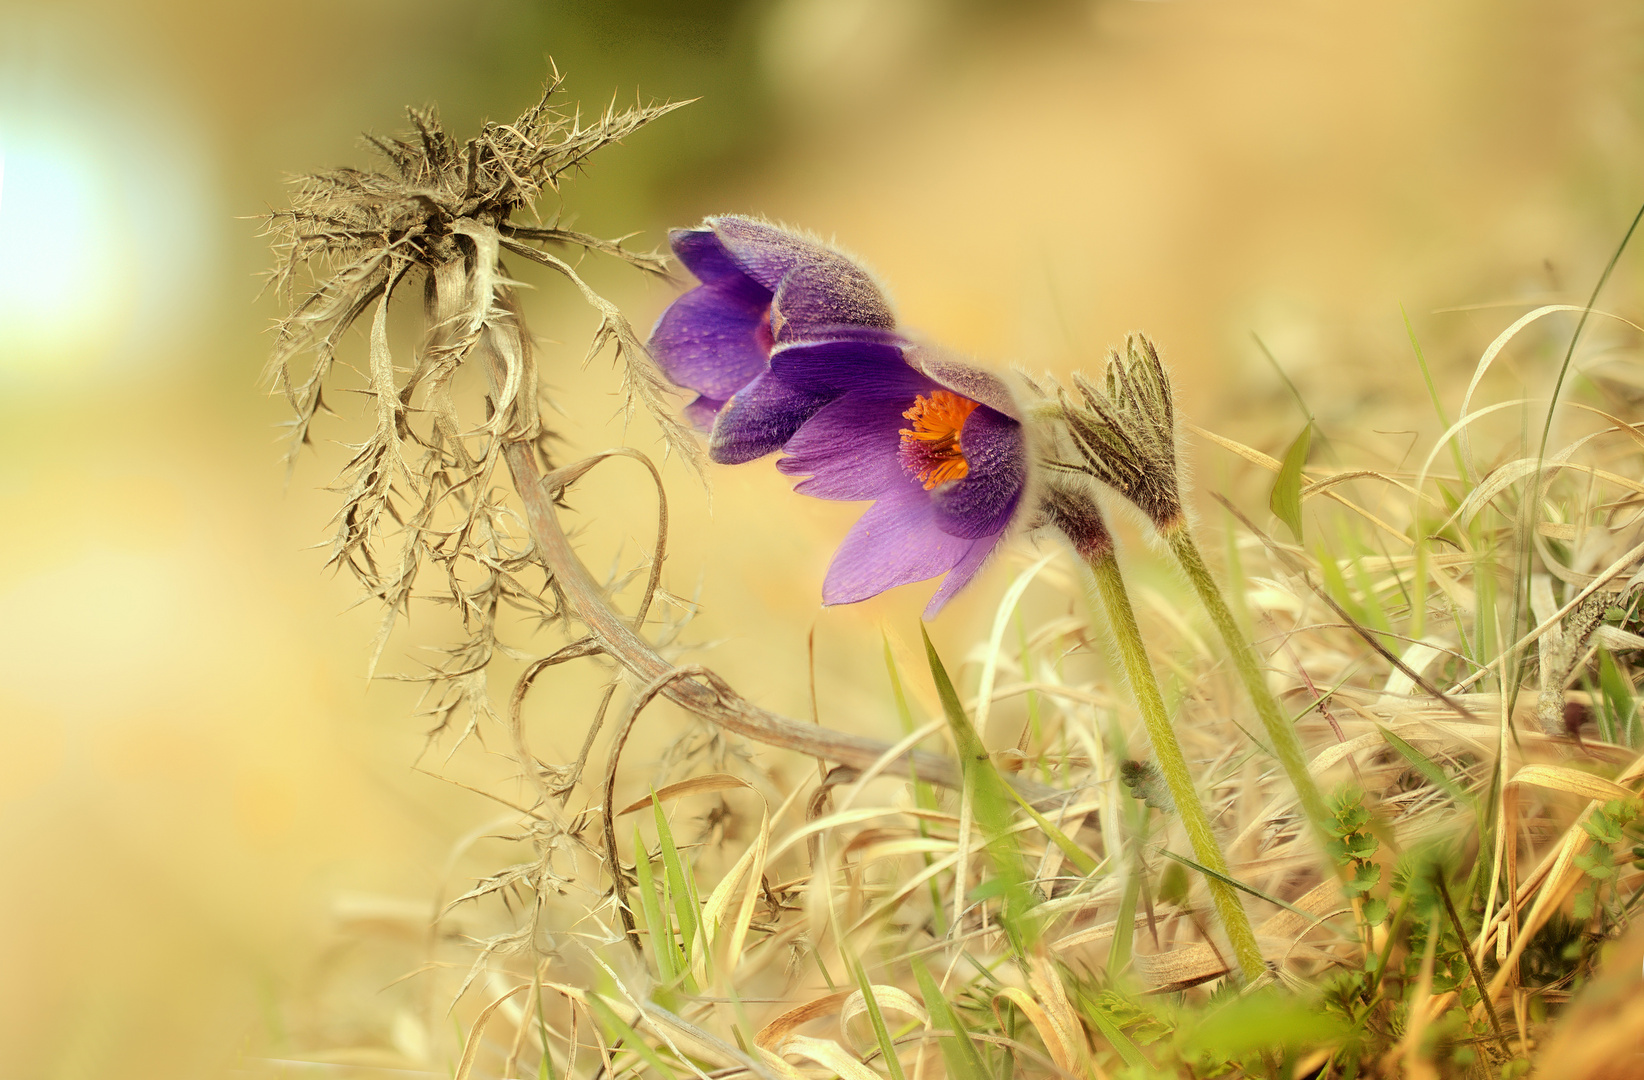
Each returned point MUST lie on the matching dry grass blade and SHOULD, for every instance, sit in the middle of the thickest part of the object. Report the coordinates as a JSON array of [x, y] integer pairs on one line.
[[696, 785], [470, 1049]]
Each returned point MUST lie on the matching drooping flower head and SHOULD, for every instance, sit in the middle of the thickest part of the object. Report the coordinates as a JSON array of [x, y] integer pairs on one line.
[[762, 288], [937, 444]]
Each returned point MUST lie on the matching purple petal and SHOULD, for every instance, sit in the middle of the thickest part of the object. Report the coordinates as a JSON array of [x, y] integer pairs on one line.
[[841, 366], [964, 378], [760, 418], [766, 252], [962, 572], [702, 411], [849, 450], [703, 255], [894, 543], [829, 293], [712, 339], [982, 503]]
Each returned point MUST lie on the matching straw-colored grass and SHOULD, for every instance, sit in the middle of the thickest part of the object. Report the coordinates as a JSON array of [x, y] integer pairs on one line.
[[1452, 636]]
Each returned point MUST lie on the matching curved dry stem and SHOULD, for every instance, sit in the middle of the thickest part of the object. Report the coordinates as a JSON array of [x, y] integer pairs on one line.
[[817, 805], [557, 481], [727, 709], [562, 478], [516, 724], [619, 880]]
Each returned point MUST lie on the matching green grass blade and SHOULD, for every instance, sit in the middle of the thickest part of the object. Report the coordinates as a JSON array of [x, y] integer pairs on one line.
[[1241, 886], [1335, 583], [678, 882], [1432, 392], [991, 800], [1075, 854], [629, 1038], [903, 712], [656, 923], [969, 743], [1426, 766], [881, 1033], [1618, 699], [1278, 368], [1124, 928], [1032, 696], [964, 1059], [923, 796], [1285, 501], [1117, 1038]]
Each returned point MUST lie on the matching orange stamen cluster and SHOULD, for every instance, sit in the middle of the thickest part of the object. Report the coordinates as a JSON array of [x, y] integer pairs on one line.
[[931, 449]]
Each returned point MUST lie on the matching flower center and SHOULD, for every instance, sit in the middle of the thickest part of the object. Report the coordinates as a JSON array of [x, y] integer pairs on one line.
[[930, 449]]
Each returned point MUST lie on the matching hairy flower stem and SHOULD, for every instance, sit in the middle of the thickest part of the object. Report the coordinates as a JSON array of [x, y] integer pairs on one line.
[[1110, 585], [1286, 746]]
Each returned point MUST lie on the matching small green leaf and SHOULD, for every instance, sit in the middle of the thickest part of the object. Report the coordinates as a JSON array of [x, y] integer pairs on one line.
[[1285, 501], [1375, 913], [1360, 846], [1173, 885], [1351, 816]]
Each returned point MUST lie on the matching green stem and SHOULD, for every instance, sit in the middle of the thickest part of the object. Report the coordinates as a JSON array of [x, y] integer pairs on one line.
[[1286, 745], [1110, 585]]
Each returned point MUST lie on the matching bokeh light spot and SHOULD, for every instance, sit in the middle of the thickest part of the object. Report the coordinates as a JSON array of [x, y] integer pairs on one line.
[[58, 268]]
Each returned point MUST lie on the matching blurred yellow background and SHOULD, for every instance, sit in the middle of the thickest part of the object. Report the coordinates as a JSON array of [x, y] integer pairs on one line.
[[194, 772]]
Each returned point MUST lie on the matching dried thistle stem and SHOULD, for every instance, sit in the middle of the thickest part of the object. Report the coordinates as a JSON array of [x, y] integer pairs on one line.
[[1286, 746]]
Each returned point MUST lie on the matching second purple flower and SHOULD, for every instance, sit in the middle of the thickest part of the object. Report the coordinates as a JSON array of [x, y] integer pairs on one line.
[[937, 444]]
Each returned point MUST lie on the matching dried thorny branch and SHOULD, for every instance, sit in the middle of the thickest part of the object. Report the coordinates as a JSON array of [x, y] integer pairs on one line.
[[421, 489], [454, 480]]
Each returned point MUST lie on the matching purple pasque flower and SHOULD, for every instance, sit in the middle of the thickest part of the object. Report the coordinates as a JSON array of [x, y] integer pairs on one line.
[[762, 287], [936, 443]]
